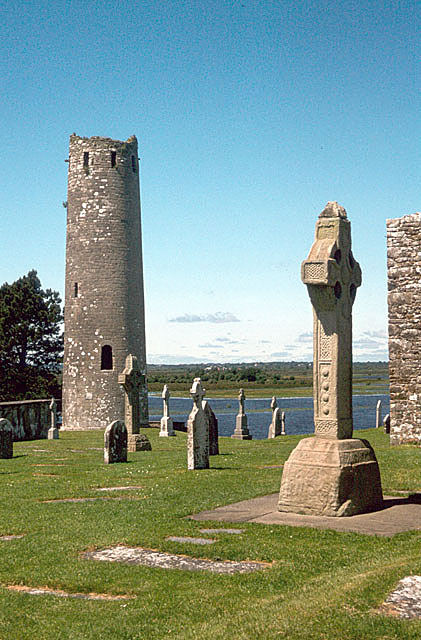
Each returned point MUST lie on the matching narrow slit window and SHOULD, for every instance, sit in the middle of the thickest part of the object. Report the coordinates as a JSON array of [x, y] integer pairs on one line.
[[76, 291], [106, 357], [86, 158], [133, 164], [113, 158]]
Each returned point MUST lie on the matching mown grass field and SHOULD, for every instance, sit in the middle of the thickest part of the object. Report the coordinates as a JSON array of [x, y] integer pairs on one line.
[[321, 584]]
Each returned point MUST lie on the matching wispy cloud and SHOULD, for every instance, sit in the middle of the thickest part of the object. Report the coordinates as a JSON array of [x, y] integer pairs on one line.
[[216, 318]]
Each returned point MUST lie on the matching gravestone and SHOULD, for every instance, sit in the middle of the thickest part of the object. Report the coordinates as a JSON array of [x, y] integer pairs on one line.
[[275, 427], [133, 380], [52, 433], [378, 414], [197, 431], [331, 474], [167, 426], [241, 431], [283, 432], [115, 442], [213, 428], [6, 438], [386, 423]]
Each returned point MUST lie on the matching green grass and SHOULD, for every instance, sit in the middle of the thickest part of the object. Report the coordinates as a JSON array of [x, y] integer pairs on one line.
[[322, 584]]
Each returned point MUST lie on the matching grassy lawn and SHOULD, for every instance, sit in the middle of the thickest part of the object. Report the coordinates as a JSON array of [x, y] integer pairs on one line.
[[322, 584]]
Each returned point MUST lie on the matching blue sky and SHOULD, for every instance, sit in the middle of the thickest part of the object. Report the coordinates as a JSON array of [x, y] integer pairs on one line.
[[250, 116]]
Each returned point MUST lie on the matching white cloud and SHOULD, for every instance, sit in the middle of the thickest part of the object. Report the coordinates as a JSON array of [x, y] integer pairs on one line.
[[216, 318]]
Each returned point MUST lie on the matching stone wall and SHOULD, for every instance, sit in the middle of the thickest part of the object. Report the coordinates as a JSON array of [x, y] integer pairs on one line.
[[30, 418], [404, 302], [104, 306]]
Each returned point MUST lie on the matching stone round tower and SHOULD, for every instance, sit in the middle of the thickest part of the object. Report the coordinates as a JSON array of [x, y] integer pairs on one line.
[[104, 317]]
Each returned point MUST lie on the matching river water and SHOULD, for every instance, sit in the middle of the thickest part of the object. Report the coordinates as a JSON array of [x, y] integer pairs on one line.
[[298, 412]]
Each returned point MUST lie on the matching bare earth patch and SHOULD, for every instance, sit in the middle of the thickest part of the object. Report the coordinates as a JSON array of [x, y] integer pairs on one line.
[[150, 558], [405, 600], [42, 591]]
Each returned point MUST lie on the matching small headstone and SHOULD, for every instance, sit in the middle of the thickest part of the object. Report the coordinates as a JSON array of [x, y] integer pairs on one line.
[[6, 439], [386, 423], [241, 431], [197, 431], [115, 442], [275, 427], [133, 380], [283, 432], [213, 428], [378, 414], [53, 431], [167, 426]]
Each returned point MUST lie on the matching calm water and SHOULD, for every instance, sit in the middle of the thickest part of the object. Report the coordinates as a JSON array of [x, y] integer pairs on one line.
[[298, 413]]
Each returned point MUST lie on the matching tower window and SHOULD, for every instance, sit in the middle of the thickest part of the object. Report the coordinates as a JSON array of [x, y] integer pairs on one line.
[[106, 357], [113, 158], [76, 290], [133, 164], [86, 158]]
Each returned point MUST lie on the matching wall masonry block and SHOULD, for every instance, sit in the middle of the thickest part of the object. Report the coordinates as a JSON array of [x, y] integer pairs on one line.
[[404, 305]]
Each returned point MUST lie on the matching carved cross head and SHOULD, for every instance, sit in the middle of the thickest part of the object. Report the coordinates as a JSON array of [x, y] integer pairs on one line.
[[273, 404], [165, 393], [330, 263], [197, 392], [131, 377], [53, 405]]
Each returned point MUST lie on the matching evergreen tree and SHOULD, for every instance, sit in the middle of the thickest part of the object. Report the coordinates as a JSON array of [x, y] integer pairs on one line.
[[31, 340]]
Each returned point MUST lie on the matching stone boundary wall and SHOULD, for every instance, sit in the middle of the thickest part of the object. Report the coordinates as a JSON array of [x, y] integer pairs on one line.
[[404, 304], [30, 418]]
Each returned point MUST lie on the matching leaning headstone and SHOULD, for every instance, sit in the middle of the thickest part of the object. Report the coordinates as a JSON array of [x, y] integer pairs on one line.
[[197, 431], [275, 427], [115, 442], [167, 426], [331, 474], [283, 432], [213, 428], [132, 381], [52, 433], [378, 414], [6, 438], [386, 423], [241, 431]]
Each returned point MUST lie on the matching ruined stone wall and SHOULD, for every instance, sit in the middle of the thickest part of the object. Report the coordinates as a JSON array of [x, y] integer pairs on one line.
[[404, 302], [104, 301], [30, 419]]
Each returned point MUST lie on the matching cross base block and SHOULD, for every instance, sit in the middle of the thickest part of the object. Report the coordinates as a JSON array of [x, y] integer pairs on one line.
[[327, 477], [138, 442]]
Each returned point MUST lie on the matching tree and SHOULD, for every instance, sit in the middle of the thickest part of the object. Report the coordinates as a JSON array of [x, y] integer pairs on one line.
[[31, 340]]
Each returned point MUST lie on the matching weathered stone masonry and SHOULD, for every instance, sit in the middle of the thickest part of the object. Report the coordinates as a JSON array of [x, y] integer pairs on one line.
[[104, 301], [404, 302]]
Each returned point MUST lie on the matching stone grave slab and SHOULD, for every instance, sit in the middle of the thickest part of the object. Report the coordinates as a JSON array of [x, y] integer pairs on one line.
[[189, 540], [158, 559], [43, 591], [405, 600], [215, 531], [12, 537]]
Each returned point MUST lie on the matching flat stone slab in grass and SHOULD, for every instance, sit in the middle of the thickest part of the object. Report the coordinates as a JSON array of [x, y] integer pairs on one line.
[[215, 531], [42, 591], [398, 515], [405, 600], [95, 498], [191, 540], [160, 560], [117, 488], [15, 537]]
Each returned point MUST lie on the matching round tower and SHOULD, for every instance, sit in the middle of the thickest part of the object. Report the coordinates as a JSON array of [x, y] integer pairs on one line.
[[104, 317]]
